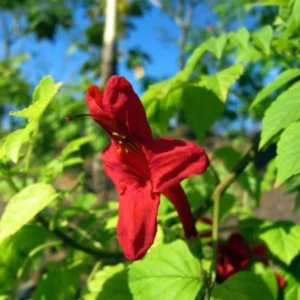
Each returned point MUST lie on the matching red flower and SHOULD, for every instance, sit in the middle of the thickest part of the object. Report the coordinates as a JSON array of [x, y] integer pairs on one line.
[[140, 166], [259, 252], [232, 256]]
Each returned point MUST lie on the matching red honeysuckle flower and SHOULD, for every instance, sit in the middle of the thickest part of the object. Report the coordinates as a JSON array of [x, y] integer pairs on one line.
[[233, 256], [140, 166]]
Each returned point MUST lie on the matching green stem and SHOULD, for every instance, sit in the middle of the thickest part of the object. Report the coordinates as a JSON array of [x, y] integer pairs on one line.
[[67, 240], [32, 253], [215, 232], [29, 153], [222, 186]]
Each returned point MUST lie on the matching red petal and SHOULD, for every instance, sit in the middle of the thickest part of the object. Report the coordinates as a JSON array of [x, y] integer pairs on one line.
[[113, 167], [125, 166], [94, 99], [121, 104], [280, 280], [137, 220], [173, 160], [178, 197]]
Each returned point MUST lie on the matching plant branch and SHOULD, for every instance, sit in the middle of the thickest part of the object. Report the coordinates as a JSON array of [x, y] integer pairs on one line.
[[229, 179], [67, 240], [215, 232]]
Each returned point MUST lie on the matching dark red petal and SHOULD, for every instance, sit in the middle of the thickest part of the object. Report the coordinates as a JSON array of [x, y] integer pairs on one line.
[[237, 244], [125, 166], [137, 225], [260, 253], [121, 103], [113, 167], [94, 99], [178, 197], [280, 280], [173, 160]]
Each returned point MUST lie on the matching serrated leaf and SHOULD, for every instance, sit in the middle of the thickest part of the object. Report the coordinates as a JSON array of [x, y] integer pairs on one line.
[[288, 155], [282, 112], [109, 283], [161, 102], [241, 38], [282, 239], [24, 206], [263, 37], [193, 60], [268, 276], [248, 179], [280, 81], [220, 82], [291, 290], [43, 94], [14, 142], [168, 271], [216, 45], [201, 104], [242, 286]]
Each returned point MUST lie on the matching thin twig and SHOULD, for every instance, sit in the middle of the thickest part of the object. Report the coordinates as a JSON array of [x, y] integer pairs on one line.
[[67, 240]]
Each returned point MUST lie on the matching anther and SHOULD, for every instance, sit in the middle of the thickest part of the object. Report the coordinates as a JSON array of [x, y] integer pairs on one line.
[[119, 135]]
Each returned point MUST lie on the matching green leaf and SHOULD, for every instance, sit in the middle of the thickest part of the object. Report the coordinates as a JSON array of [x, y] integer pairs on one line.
[[74, 146], [220, 82], [168, 271], [268, 276], [193, 60], [269, 2], [24, 206], [242, 286], [282, 239], [282, 112], [15, 250], [42, 96], [14, 142], [58, 284], [291, 290], [201, 104], [217, 45], [263, 37], [280, 81], [294, 21], [297, 202], [109, 283], [288, 155], [241, 38], [198, 187], [162, 99], [84, 200], [248, 179]]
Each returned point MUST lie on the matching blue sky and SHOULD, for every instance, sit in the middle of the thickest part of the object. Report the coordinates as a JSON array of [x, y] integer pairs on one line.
[[54, 58]]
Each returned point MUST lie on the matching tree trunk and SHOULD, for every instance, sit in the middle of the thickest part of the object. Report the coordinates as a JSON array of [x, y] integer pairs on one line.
[[108, 66]]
